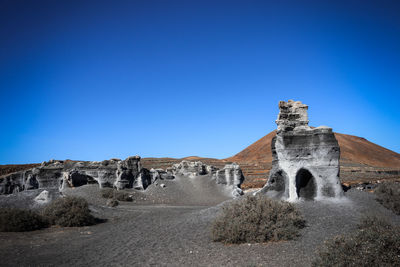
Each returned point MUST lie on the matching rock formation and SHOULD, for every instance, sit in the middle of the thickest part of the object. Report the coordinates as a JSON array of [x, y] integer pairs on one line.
[[120, 174], [305, 161], [54, 174], [231, 175], [43, 198]]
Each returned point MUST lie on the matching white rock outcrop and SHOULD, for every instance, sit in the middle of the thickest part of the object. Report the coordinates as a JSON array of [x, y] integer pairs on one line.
[[230, 175], [305, 160]]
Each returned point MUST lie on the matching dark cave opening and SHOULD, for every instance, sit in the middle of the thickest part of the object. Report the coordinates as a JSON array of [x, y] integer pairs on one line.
[[305, 184]]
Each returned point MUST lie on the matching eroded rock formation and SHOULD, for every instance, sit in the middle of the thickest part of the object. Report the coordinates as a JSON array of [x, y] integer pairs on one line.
[[305, 160], [231, 175], [120, 174], [53, 174]]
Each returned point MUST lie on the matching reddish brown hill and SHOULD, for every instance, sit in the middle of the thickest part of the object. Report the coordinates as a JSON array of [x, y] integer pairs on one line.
[[353, 150]]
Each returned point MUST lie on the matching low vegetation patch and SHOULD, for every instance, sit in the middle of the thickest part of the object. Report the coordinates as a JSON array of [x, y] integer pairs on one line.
[[17, 220], [375, 243], [257, 219], [116, 194], [112, 202], [107, 192], [69, 211], [388, 194]]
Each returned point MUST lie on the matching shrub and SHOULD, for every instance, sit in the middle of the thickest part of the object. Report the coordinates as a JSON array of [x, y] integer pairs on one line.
[[69, 211], [112, 202], [123, 196], [257, 219], [107, 192], [118, 195], [16, 220], [375, 243], [388, 194]]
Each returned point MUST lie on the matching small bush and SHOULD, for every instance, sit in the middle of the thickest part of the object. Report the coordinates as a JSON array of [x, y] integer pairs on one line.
[[375, 243], [16, 220], [123, 196], [388, 194], [112, 202], [107, 192], [118, 195], [69, 211], [257, 219]]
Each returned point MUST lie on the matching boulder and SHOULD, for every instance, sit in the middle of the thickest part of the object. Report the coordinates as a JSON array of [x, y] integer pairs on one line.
[[43, 198]]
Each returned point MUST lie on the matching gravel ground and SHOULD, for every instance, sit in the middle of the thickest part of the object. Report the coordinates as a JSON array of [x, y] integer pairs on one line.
[[177, 232]]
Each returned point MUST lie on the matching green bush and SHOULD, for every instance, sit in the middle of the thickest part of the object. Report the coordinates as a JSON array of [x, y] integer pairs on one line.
[[116, 194], [375, 243], [16, 220], [388, 194], [257, 219], [69, 211]]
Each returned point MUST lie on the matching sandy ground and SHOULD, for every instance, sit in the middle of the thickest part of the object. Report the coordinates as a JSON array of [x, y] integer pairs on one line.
[[161, 230]]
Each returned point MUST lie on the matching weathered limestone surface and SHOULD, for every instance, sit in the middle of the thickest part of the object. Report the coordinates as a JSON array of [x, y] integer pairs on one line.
[[305, 160]]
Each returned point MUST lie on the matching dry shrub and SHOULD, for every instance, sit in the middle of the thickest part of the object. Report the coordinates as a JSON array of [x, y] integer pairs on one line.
[[107, 192], [116, 194], [69, 211], [388, 194], [257, 219], [112, 202], [17, 220], [375, 243]]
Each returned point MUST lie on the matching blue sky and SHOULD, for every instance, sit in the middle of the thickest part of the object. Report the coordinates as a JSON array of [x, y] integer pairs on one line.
[[92, 80]]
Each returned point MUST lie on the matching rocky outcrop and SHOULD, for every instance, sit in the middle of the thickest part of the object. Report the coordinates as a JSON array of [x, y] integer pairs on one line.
[[231, 175], [120, 174], [129, 173], [305, 160], [190, 168], [54, 174]]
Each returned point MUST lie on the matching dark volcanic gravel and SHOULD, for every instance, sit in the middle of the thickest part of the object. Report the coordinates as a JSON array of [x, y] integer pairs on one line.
[[178, 235]]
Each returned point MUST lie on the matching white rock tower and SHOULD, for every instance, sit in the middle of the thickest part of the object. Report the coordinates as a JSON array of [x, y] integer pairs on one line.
[[305, 162]]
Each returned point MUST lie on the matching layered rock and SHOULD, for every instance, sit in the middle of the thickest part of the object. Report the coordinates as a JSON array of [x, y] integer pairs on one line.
[[189, 168], [305, 160], [120, 174], [231, 175], [53, 174]]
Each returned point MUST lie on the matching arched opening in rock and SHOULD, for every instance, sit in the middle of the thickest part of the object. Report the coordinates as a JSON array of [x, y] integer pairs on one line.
[[78, 179], [305, 184], [277, 183]]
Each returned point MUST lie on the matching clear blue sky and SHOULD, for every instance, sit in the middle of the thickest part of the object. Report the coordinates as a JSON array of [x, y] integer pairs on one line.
[[92, 80]]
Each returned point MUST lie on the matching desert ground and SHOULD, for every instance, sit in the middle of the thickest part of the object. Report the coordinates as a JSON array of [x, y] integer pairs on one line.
[[170, 226]]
